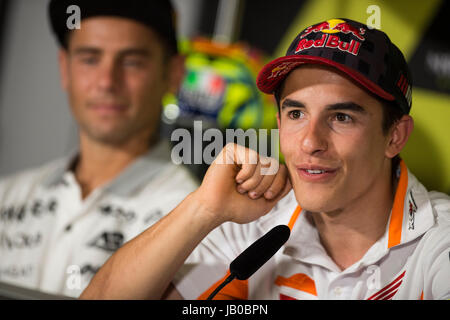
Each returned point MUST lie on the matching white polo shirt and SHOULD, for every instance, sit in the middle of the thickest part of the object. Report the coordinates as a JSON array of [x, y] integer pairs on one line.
[[53, 241], [410, 261]]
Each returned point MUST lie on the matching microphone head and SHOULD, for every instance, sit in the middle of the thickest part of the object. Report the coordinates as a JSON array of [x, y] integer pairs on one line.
[[259, 252]]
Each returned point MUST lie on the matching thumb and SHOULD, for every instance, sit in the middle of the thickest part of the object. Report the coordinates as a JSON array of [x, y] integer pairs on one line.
[[287, 188]]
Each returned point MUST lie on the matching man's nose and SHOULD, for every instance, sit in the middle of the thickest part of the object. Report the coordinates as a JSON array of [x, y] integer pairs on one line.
[[108, 77], [314, 138]]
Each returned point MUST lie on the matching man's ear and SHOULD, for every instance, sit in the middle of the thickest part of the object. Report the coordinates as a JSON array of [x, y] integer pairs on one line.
[[176, 73], [63, 61], [399, 135]]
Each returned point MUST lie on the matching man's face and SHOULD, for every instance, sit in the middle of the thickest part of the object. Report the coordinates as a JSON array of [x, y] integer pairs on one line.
[[332, 139], [115, 74]]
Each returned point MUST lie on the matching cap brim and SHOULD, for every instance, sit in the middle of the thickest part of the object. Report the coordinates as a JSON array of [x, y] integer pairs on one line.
[[276, 71]]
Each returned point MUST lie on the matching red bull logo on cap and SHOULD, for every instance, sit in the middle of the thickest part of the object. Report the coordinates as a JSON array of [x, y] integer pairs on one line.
[[282, 69], [329, 40], [334, 26]]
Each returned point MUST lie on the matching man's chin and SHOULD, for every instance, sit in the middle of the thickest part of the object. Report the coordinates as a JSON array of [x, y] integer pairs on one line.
[[109, 136], [314, 202]]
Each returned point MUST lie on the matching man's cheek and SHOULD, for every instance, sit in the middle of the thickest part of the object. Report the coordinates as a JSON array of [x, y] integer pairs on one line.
[[285, 144]]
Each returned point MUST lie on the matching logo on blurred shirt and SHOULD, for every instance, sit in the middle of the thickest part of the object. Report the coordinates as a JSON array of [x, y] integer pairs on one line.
[[108, 241]]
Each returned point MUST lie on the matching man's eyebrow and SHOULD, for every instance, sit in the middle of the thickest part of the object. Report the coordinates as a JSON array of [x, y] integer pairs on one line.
[[349, 106], [87, 50], [341, 106], [124, 52], [288, 103], [134, 51]]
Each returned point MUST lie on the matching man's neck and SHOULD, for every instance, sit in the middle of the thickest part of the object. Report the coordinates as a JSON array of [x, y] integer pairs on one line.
[[348, 233], [100, 163]]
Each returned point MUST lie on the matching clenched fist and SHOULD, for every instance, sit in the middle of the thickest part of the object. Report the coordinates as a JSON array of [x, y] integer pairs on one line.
[[241, 186]]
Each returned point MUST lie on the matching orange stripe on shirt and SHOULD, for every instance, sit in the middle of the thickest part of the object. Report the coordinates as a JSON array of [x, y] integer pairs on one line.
[[299, 281], [396, 222], [294, 217], [235, 290]]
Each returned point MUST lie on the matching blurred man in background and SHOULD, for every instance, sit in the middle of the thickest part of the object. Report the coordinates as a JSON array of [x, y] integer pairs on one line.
[[61, 221]]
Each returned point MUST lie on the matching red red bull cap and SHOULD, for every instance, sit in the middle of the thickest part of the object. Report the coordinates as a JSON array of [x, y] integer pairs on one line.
[[366, 55]]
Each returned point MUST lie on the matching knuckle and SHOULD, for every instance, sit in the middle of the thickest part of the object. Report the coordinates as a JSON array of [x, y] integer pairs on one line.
[[251, 183], [247, 170]]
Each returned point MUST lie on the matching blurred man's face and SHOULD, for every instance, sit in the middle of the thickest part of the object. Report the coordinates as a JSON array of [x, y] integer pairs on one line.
[[332, 139], [115, 74]]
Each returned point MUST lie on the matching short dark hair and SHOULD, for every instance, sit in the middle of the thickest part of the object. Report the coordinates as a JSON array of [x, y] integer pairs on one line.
[[391, 114]]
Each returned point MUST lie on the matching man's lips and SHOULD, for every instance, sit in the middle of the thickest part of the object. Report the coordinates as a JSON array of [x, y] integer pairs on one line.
[[108, 108], [316, 173]]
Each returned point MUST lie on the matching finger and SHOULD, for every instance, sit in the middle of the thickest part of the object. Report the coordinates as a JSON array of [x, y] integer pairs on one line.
[[249, 182], [249, 160], [269, 165], [261, 179], [245, 155], [247, 173], [286, 190], [278, 183], [262, 187]]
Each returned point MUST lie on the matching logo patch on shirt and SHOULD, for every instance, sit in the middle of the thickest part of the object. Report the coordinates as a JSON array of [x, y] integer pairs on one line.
[[20, 240], [37, 208], [117, 212], [412, 211], [16, 271], [89, 269], [388, 292], [108, 241]]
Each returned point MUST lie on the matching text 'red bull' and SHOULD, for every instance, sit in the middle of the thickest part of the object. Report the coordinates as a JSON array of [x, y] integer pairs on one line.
[[329, 41]]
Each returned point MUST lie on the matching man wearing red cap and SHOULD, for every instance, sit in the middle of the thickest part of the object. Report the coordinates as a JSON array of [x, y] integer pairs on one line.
[[362, 226], [60, 222]]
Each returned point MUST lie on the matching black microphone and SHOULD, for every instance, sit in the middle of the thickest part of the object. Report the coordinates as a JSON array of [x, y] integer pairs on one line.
[[256, 255]]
